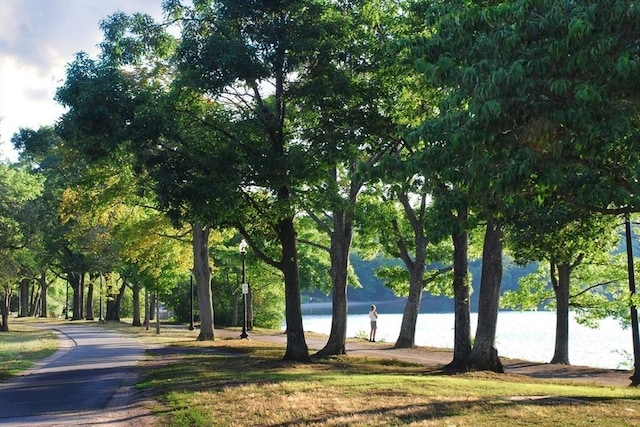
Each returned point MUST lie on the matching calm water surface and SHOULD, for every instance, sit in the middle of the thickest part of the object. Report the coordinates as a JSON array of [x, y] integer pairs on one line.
[[524, 335]]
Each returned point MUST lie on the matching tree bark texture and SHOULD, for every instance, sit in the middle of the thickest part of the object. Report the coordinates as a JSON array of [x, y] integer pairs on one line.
[[76, 286], [202, 274], [297, 349], [461, 290], [44, 291], [406, 338], [114, 301], [249, 309], [89, 305], [484, 355], [340, 248], [136, 305], [4, 311], [561, 289], [24, 298]]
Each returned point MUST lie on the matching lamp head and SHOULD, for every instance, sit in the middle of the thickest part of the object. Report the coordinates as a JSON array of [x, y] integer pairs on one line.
[[243, 246]]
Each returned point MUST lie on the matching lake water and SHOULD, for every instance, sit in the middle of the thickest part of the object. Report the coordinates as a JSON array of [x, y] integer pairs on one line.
[[523, 335]]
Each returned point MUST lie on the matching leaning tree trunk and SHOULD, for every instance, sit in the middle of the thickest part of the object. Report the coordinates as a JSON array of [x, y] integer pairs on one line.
[[561, 289], [461, 291], [297, 350], [202, 274], [415, 267], [34, 300], [484, 355], [406, 338], [340, 248]]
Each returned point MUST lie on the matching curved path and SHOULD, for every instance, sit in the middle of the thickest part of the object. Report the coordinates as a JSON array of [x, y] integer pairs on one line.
[[89, 381]]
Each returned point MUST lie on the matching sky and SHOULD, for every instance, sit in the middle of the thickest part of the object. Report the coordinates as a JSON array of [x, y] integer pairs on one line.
[[38, 39]]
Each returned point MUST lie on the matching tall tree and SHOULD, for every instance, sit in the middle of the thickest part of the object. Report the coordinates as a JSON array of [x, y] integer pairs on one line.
[[530, 91], [271, 49], [352, 121]]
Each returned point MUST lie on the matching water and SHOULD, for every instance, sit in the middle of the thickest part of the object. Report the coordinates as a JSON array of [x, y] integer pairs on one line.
[[523, 335]]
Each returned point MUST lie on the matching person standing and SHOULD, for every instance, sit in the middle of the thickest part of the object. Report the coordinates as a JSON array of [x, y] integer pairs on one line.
[[373, 317]]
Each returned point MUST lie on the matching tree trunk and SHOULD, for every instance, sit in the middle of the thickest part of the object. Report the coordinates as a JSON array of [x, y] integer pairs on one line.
[[414, 266], [4, 311], [136, 305], [147, 307], [24, 298], [561, 289], [297, 349], [114, 301], [44, 290], [202, 274], [340, 248], [34, 301], [152, 307], [249, 309], [118, 300], [484, 355], [407, 336], [81, 312], [75, 282], [462, 322], [89, 305]]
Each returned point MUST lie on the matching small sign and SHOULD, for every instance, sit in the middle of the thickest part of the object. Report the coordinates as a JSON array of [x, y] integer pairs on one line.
[[245, 288]]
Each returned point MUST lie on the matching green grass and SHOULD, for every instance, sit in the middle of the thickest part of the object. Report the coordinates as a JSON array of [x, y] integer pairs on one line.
[[248, 381], [232, 382], [261, 389], [22, 346]]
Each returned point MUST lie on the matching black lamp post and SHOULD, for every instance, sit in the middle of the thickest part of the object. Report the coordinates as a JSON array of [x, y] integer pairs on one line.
[[245, 288]]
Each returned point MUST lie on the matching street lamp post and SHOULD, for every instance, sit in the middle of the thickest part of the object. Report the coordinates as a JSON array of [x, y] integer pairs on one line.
[[245, 288]]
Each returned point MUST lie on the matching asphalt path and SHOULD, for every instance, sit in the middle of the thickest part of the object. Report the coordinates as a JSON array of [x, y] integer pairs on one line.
[[89, 377]]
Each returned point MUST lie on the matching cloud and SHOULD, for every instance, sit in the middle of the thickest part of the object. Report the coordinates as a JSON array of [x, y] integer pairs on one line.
[[38, 38]]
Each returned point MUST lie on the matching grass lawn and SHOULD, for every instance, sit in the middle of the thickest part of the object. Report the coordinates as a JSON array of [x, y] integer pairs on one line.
[[255, 387], [233, 382], [22, 346], [245, 382]]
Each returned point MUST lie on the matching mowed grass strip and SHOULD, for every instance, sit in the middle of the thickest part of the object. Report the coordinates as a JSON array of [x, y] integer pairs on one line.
[[247, 383], [22, 346]]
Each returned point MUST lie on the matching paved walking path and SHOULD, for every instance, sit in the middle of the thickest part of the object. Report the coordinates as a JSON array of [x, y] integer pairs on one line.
[[89, 381]]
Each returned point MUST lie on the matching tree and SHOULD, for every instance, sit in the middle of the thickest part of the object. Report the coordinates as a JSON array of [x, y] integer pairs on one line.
[[574, 244], [18, 188], [270, 49], [351, 120], [529, 90]]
